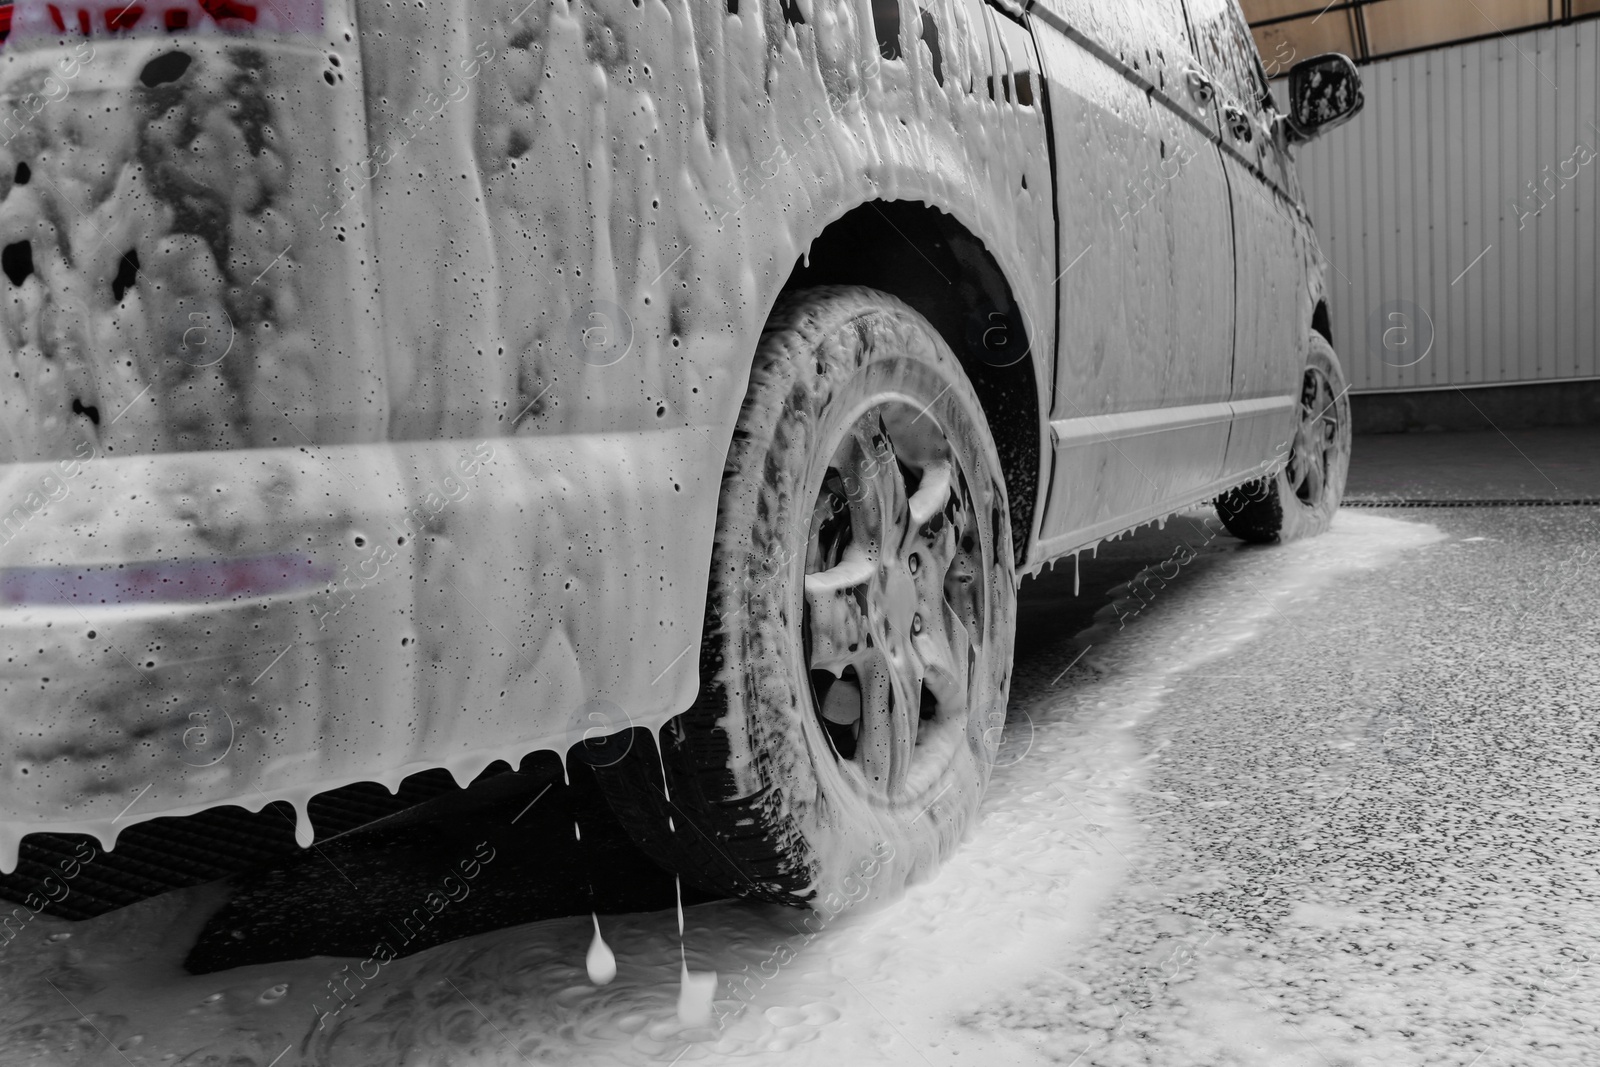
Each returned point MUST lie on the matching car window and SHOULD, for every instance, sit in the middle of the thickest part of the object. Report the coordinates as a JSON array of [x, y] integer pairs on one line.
[[1228, 52]]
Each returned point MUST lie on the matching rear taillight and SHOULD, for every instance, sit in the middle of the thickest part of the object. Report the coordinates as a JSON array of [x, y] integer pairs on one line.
[[115, 15], [94, 18]]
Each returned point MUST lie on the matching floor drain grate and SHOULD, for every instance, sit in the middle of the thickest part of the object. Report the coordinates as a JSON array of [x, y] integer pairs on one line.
[[1416, 502]]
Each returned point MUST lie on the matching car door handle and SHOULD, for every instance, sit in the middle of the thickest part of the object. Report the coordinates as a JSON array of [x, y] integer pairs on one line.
[[1239, 124], [1202, 88]]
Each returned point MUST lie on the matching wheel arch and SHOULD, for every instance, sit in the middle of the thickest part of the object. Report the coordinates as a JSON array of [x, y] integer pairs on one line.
[[935, 263], [1322, 322]]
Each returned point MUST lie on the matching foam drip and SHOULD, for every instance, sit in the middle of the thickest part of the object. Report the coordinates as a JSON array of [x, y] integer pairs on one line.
[[304, 832], [694, 990], [601, 963], [10, 843], [694, 997]]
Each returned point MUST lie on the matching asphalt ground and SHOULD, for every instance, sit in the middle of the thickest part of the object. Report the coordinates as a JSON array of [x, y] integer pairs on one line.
[[1369, 835]]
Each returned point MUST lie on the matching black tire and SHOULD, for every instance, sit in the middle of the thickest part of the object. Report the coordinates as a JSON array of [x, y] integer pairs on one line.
[[1301, 498], [766, 798]]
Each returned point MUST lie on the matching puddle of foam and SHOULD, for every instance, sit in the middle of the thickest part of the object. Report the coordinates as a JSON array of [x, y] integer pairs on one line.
[[695, 994]]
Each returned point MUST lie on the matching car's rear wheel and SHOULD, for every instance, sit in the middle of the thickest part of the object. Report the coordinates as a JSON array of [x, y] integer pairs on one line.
[[860, 619], [1301, 498]]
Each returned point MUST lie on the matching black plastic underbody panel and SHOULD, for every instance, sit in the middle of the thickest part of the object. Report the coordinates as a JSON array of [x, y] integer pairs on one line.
[[161, 855]]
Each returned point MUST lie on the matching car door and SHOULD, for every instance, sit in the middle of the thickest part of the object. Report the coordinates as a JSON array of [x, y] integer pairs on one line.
[[1141, 410], [1270, 255]]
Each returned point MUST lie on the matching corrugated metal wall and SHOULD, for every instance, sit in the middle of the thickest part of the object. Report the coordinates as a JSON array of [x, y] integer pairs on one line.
[[1426, 204]]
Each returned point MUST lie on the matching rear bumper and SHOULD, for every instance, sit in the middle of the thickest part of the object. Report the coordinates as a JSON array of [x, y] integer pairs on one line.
[[304, 618]]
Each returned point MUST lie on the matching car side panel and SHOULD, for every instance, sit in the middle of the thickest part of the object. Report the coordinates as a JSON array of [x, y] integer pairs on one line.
[[1273, 318], [663, 167], [1141, 414], [1274, 323]]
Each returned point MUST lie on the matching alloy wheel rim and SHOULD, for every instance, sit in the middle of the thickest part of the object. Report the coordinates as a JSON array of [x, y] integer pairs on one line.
[[895, 602], [1316, 437]]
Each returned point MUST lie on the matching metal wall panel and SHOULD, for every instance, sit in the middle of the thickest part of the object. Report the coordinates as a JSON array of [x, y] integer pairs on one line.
[[1466, 200]]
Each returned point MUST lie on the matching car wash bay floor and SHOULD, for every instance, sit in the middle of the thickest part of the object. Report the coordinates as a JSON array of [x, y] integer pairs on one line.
[[1325, 803]]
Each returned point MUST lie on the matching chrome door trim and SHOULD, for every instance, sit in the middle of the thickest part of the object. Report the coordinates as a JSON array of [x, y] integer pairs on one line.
[[1096, 429]]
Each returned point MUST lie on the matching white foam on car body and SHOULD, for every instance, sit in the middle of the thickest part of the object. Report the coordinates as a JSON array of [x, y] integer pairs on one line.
[[396, 179]]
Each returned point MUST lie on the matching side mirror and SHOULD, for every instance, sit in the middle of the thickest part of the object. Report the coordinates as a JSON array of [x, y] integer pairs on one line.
[[1324, 93]]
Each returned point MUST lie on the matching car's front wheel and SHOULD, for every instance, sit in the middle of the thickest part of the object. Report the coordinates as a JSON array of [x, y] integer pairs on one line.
[[1301, 498], [860, 620]]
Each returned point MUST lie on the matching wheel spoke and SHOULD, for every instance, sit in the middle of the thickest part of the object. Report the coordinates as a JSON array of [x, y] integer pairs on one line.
[[1305, 459], [890, 705], [932, 496], [906, 678], [1314, 479], [1319, 429], [838, 627], [883, 728], [952, 562], [933, 536], [854, 570], [1299, 463], [944, 648], [875, 488], [964, 593]]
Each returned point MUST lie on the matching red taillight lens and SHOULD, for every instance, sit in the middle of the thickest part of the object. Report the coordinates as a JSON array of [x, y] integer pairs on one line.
[[124, 18], [96, 17], [161, 581], [119, 15], [228, 9]]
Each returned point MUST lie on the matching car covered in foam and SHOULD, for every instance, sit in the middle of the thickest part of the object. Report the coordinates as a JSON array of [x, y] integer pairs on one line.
[[399, 387]]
